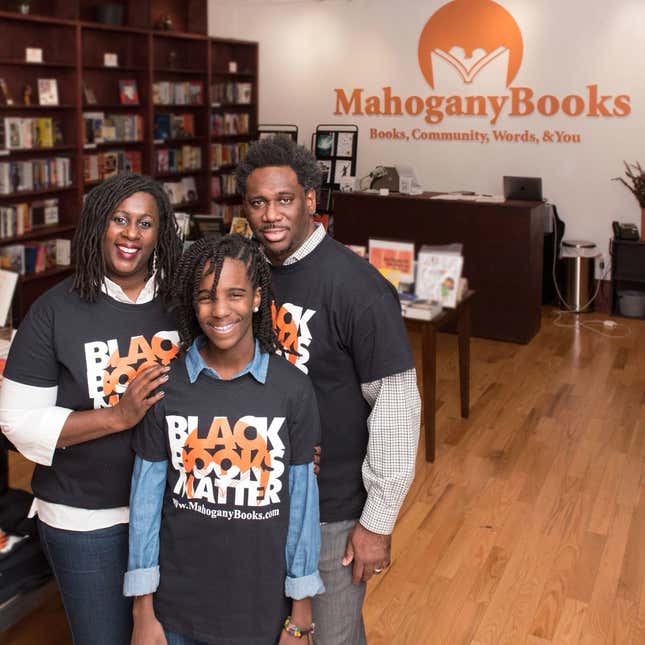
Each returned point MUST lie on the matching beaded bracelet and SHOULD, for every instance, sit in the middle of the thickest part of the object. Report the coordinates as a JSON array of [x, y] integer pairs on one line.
[[293, 630]]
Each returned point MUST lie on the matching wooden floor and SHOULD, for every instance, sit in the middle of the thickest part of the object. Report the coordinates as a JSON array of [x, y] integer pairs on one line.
[[530, 527]]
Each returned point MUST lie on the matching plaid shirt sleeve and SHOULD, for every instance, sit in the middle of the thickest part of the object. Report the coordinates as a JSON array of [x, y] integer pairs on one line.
[[388, 468]]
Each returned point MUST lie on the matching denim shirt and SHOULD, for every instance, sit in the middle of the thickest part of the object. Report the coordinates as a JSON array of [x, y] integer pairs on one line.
[[302, 549]]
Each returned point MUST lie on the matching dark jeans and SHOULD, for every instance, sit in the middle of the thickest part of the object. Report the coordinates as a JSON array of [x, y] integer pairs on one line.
[[89, 568]]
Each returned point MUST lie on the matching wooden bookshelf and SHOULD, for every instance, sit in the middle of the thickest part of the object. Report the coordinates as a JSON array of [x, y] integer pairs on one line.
[[155, 42]]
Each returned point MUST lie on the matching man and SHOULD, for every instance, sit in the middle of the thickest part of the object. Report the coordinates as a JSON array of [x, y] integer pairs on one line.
[[340, 322]]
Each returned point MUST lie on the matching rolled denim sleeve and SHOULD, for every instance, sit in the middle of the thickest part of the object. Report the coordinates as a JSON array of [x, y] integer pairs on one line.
[[302, 550], [146, 500]]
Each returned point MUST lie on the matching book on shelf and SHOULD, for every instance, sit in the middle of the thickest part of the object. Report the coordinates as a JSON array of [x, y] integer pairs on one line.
[[181, 192], [103, 165], [228, 186], [128, 92], [183, 224], [240, 93], [182, 126], [173, 126], [420, 309], [27, 133], [35, 174], [63, 252], [438, 273], [88, 95], [226, 212], [12, 258], [227, 154], [208, 224], [47, 91], [5, 94], [181, 93], [216, 187], [33, 257], [169, 160], [21, 217], [230, 123], [105, 128]]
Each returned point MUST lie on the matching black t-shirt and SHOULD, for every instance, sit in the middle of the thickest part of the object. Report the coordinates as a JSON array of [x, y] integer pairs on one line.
[[341, 323], [223, 533], [91, 352]]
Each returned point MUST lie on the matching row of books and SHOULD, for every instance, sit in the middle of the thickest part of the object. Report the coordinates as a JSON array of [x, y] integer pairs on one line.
[[35, 257], [223, 186], [35, 174], [178, 159], [230, 123], [20, 218], [109, 163], [102, 128], [181, 192], [173, 126], [227, 154], [18, 133], [186, 93], [240, 93], [226, 212]]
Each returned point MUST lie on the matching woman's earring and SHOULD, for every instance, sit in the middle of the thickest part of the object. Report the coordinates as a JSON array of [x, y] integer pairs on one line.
[[256, 309], [154, 260]]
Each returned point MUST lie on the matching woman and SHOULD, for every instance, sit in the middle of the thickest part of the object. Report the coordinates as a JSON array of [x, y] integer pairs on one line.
[[70, 396], [230, 549]]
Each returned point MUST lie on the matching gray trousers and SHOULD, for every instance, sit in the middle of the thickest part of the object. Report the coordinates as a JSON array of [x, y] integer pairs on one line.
[[338, 612]]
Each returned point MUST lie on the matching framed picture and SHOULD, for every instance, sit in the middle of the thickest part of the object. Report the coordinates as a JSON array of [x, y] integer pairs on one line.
[[345, 144], [110, 59], [325, 143], [325, 170], [342, 170], [392, 255], [47, 91], [347, 184], [128, 92]]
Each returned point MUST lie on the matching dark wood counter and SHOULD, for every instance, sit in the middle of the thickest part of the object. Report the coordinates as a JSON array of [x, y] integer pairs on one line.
[[502, 249]]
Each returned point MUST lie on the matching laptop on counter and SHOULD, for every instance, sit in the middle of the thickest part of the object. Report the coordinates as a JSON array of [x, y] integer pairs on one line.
[[523, 189]]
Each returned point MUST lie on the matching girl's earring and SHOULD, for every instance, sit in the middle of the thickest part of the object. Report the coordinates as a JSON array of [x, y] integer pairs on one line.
[[256, 309]]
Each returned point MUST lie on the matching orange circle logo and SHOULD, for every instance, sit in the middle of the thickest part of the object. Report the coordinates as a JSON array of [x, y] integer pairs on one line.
[[482, 29]]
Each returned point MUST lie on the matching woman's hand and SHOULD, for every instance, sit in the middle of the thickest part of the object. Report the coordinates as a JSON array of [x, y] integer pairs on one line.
[[137, 398], [147, 629]]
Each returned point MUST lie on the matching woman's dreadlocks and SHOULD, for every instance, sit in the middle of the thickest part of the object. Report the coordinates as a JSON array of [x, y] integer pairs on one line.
[[100, 204], [206, 256]]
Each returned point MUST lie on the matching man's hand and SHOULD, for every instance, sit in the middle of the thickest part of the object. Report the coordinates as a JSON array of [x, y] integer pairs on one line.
[[370, 553], [316, 458]]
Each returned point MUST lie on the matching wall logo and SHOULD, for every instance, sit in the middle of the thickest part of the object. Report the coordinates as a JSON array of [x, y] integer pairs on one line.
[[469, 35]]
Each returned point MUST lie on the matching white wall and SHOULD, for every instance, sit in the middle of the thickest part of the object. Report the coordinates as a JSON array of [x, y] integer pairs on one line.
[[308, 48]]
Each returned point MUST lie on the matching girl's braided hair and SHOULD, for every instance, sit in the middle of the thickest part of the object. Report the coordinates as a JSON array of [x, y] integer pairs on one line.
[[206, 256]]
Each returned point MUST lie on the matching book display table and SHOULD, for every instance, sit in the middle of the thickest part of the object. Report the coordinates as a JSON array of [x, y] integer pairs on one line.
[[447, 319]]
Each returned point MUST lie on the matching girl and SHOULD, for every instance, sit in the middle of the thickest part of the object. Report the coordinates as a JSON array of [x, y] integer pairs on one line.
[[64, 402], [236, 531]]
